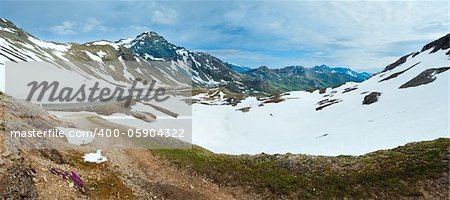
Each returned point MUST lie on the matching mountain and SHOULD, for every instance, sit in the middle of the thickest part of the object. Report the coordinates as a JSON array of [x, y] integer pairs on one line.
[[196, 173], [294, 78], [410, 93], [357, 76], [406, 102], [206, 71], [238, 68], [89, 59], [210, 71]]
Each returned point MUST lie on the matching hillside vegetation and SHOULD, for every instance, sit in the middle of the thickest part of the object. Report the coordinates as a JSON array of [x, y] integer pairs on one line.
[[416, 170]]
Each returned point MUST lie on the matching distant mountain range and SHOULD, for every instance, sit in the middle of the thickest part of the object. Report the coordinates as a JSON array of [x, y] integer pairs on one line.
[[302, 78], [207, 71], [212, 72], [407, 101]]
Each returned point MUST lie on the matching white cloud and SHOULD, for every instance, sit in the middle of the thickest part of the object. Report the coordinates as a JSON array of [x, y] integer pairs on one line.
[[164, 16], [137, 29], [92, 24], [358, 34], [257, 59], [88, 26], [65, 28]]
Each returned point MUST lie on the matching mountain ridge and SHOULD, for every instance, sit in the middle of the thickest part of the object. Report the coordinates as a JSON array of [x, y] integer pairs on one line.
[[407, 102], [301, 78], [207, 70], [152, 46]]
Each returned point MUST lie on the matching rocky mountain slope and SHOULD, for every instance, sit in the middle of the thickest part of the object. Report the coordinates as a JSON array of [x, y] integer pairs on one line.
[[212, 72], [205, 70], [88, 60], [62, 173], [413, 171], [406, 102]]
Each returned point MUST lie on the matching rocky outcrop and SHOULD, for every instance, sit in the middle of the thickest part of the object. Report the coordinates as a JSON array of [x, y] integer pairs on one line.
[[371, 98], [425, 77], [327, 102], [442, 43], [398, 73], [439, 44], [396, 63]]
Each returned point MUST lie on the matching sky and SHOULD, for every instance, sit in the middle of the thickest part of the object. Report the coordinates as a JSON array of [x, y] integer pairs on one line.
[[362, 35]]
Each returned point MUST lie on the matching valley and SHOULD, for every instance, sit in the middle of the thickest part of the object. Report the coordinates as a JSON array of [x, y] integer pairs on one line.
[[289, 133]]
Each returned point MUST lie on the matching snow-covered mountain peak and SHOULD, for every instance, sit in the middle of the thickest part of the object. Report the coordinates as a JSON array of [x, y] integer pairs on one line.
[[148, 34], [145, 38]]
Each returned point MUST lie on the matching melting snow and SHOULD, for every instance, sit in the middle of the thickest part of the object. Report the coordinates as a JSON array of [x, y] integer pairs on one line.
[[93, 57], [114, 45], [125, 42], [101, 54], [400, 116], [95, 157], [147, 56], [50, 45], [6, 29]]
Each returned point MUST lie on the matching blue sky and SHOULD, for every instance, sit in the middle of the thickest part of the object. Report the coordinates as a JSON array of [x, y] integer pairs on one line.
[[365, 36]]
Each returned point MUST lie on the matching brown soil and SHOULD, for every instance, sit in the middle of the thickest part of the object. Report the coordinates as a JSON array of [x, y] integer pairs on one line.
[[128, 174]]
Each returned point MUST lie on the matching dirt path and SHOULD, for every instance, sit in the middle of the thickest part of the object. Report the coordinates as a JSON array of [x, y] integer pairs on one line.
[[149, 177]]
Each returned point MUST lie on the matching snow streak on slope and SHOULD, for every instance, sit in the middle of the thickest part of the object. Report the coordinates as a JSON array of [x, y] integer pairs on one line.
[[342, 125]]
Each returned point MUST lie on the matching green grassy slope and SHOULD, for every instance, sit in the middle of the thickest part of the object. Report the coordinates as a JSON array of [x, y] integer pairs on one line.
[[398, 173]]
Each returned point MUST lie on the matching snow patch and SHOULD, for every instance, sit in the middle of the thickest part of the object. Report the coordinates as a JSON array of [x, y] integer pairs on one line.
[[107, 43], [6, 29], [49, 45], [102, 54], [400, 116], [147, 56], [125, 42], [95, 157], [93, 57]]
